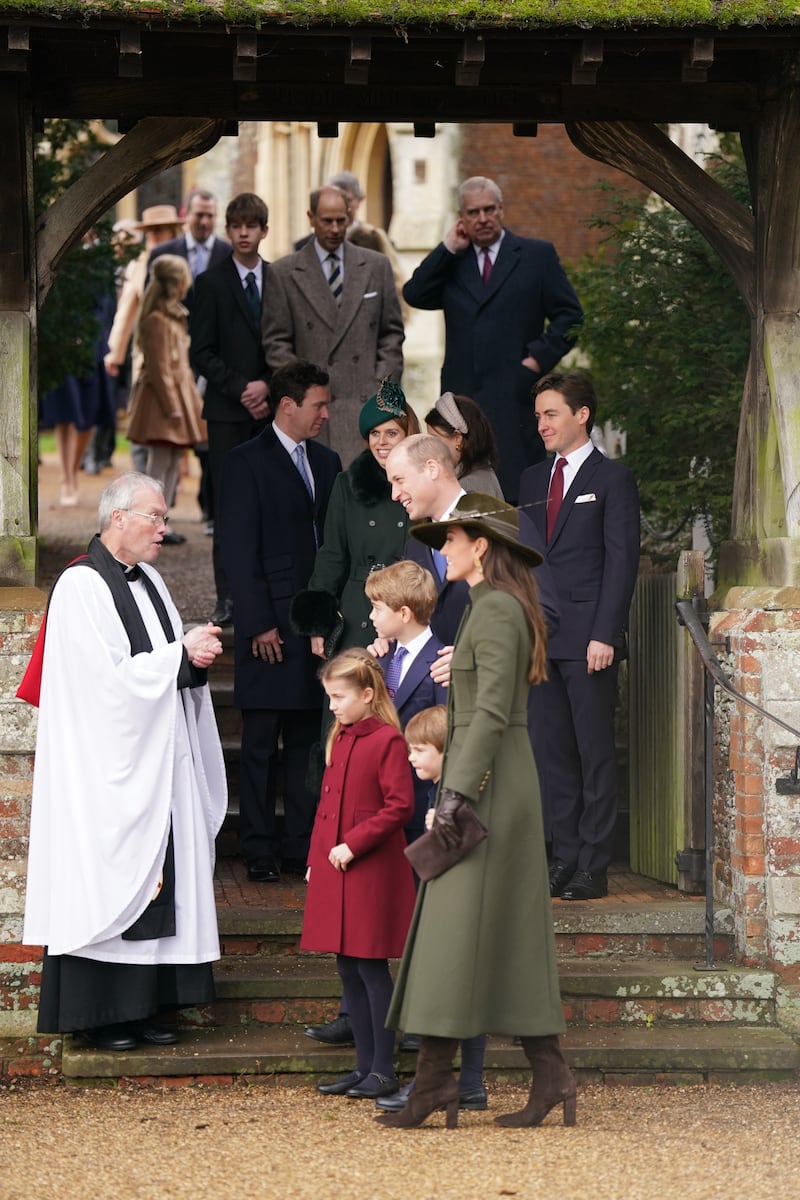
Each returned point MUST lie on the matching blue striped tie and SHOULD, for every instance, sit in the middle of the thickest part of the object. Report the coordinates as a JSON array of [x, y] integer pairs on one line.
[[335, 277]]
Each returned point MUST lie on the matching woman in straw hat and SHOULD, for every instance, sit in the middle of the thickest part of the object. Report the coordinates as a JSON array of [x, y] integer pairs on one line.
[[480, 955]]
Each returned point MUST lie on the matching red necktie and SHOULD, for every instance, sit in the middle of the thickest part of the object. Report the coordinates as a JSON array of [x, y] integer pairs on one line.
[[555, 496], [486, 274]]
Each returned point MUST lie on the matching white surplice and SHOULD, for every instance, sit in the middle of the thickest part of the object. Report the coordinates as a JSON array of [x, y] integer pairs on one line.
[[120, 752]]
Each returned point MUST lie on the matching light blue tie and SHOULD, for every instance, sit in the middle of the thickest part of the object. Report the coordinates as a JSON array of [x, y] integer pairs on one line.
[[440, 562], [393, 671], [300, 462], [200, 260]]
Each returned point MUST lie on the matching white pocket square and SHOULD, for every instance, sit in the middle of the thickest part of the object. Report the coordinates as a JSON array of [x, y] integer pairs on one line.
[[369, 295], [586, 498]]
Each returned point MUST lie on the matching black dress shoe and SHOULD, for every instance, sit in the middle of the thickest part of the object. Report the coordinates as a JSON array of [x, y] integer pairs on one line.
[[397, 1101], [263, 870], [338, 1032], [584, 886], [223, 613], [340, 1087], [560, 876], [157, 1035], [109, 1037], [474, 1101], [171, 538], [373, 1086]]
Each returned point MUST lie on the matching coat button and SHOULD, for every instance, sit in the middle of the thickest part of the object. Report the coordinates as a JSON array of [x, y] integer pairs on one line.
[[400, 524], [327, 787], [372, 524], [363, 624]]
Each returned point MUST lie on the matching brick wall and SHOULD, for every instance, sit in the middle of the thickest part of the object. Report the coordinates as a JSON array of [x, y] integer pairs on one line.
[[22, 1051], [763, 883], [548, 186]]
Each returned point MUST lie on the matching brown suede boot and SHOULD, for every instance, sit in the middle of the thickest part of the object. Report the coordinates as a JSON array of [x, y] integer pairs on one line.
[[552, 1084], [434, 1086]]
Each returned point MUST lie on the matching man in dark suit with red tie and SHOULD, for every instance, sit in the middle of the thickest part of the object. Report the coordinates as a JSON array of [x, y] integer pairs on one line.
[[586, 509], [225, 324], [272, 506], [510, 315]]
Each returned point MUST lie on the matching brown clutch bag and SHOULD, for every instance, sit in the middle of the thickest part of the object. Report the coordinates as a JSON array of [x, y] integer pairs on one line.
[[430, 857]]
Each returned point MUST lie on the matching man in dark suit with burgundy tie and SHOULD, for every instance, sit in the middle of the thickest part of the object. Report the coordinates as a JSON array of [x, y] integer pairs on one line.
[[225, 324], [272, 506], [586, 510], [510, 315]]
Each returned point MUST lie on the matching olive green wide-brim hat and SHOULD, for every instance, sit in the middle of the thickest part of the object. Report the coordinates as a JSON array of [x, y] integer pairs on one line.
[[486, 515]]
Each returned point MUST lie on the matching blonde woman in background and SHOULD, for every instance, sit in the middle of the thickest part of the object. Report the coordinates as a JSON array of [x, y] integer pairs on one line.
[[166, 405]]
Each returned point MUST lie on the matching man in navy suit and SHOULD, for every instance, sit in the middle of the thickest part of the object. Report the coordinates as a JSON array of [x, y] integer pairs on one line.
[[198, 244], [586, 510], [510, 315], [273, 501], [225, 324]]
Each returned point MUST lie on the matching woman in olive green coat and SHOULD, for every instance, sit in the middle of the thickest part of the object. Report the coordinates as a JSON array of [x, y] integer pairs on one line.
[[480, 955], [365, 530]]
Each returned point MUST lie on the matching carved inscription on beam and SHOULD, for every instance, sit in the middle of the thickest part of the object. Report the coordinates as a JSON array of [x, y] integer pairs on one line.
[[357, 69], [471, 58], [587, 61]]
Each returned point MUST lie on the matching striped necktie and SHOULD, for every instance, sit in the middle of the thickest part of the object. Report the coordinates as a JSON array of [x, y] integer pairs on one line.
[[334, 276]]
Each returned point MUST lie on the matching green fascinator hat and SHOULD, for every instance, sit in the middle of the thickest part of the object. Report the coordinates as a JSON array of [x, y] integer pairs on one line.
[[387, 404]]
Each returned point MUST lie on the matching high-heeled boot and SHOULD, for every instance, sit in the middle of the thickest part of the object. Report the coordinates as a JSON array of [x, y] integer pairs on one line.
[[553, 1084], [434, 1086]]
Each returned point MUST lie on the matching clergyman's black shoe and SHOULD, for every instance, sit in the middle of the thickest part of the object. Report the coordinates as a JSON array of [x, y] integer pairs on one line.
[[560, 876], [222, 614], [109, 1037], [156, 1035], [338, 1032], [263, 870], [584, 886]]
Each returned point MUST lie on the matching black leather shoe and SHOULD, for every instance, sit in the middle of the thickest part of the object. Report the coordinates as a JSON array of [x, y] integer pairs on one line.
[[157, 1035], [222, 614], [109, 1037], [560, 876], [338, 1032], [373, 1086], [584, 886], [410, 1042], [263, 870], [340, 1087], [474, 1101], [397, 1101], [171, 538]]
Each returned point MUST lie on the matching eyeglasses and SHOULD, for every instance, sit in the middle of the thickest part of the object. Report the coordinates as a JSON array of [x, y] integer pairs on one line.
[[153, 518]]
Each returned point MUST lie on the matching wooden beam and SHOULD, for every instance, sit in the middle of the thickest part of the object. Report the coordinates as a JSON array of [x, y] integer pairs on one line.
[[587, 61], [153, 145], [245, 63], [130, 54], [471, 58], [697, 59], [647, 154], [356, 72]]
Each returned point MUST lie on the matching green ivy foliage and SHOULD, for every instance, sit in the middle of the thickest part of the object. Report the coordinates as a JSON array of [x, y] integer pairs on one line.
[[668, 339], [68, 329]]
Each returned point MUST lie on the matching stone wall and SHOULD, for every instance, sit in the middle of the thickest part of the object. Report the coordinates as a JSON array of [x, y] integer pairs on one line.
[[22, 1051]]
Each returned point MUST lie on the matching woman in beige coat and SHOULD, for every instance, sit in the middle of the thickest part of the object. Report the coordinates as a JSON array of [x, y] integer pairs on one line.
[[166, 405]]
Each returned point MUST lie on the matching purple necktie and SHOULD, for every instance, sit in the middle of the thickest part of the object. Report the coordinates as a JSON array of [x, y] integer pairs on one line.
[[486, 274], [393, 670], [555, 496]]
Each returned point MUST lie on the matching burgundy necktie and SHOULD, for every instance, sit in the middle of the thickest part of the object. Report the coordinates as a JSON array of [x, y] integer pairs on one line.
[[486, 274], [555, 496]]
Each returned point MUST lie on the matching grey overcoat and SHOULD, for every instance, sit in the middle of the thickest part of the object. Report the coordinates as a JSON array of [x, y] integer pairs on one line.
[[480, 955]]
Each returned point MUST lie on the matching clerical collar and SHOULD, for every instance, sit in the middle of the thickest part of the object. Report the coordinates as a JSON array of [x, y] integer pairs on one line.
[[130, 573]]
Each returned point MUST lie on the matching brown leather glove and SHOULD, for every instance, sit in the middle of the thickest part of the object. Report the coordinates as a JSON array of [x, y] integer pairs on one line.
[[445, 817]]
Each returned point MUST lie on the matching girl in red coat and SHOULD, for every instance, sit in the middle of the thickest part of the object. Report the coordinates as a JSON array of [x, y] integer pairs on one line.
[[360, 884]]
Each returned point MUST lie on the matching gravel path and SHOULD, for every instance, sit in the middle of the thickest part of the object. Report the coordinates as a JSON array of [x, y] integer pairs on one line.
[[255, 1141]]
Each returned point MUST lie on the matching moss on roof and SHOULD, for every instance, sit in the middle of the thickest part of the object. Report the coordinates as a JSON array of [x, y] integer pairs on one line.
[[453, 14]]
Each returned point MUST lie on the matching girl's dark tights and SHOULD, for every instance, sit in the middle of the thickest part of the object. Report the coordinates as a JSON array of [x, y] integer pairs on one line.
[[368, 987]]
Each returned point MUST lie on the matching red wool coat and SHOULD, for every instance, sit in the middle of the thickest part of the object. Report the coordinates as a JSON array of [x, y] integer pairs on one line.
[[367, 798]]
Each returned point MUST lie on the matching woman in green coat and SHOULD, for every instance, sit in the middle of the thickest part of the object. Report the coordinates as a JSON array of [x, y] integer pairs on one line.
[[480, 955], [365, 530]]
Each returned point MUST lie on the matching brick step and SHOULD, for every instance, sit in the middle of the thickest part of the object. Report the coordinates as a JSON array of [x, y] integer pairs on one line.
[[305, 989], [584, 930], [662, 1055]]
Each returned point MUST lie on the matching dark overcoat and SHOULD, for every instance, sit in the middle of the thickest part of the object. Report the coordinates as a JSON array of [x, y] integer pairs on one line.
[[365, 529], [367, 797], [480, 955], [267, 525], [528, 308]]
